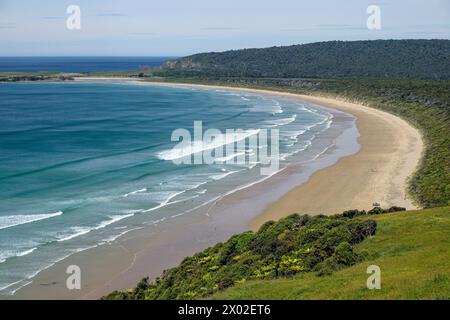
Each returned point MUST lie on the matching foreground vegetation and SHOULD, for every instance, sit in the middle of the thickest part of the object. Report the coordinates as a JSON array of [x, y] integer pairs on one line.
[[411, 249], [318, 245]]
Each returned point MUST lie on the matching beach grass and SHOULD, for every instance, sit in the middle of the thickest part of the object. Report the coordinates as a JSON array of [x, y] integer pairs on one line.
[[411, 249]]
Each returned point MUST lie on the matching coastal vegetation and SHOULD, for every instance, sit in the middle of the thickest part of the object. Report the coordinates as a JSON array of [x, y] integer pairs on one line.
[[408, 59], [342, 247], [319, 245], [411, 249]]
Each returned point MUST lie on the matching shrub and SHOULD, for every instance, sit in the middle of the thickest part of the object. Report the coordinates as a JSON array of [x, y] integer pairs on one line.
[[344, 254], [291, 245], [396, 209], [376, 210]]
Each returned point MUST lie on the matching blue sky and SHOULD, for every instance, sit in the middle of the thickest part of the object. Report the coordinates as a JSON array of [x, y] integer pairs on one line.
[[181, 27]]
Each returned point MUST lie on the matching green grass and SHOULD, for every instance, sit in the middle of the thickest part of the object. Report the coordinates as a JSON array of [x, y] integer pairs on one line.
[[411, 248]]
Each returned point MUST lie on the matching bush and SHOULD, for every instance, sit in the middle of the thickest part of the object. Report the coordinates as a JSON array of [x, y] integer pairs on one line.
[[283, 248], [353, 213], [344, 254], [376, 210], [396, 209]]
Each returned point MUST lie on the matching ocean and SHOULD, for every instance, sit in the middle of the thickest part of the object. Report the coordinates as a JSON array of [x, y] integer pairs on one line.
[[78, 64], [79, 161]]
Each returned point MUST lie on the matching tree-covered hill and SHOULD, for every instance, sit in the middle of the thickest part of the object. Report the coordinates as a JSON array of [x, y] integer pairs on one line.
[[418, 59]]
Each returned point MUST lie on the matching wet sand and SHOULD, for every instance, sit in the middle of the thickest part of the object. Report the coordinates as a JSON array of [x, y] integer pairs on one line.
[[377, 172]]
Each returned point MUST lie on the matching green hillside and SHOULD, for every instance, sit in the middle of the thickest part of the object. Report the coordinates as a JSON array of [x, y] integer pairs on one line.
[[418, 59], [411, 248], [318, 245], [319, 257]]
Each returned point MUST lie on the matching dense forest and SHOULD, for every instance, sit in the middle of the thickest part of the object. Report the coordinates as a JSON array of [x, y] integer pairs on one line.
[[411, 59]]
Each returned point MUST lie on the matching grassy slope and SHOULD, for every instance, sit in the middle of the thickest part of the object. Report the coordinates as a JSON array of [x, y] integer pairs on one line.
[[412, 249]]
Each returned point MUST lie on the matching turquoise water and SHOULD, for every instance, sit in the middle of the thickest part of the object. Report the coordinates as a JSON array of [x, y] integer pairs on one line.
[[80, 161]]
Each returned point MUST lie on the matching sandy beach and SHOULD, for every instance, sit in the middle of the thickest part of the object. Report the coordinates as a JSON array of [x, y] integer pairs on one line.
[[378, 173], [389, 153]]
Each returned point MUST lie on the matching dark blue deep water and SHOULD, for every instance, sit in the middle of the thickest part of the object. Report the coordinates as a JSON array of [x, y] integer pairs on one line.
[[77, 64]]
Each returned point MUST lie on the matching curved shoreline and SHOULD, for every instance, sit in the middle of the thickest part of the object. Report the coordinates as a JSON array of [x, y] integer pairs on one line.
[[134, 256], [378, 173], [390, 153]]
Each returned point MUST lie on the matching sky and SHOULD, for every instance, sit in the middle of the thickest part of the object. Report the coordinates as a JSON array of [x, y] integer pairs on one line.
[[182, 27]]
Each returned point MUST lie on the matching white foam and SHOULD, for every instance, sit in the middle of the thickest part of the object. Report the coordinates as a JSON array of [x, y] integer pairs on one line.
[[227, 158], [272, 109], [16, 220], [199, 146], [135, 192], [79, 231], [165, 202], [215, 199], [133, 211], [223, 175], [10, 285], [26, 281], [24, 253], [251, 165], [281, 122], [23, 285], [293, 136], [252, 183], [115, 237]]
